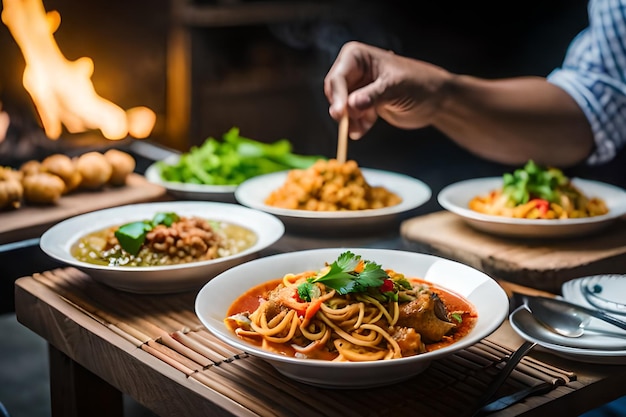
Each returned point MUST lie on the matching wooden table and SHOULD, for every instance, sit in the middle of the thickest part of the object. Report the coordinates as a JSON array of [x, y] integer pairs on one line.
[[538, 263], [103, 342]]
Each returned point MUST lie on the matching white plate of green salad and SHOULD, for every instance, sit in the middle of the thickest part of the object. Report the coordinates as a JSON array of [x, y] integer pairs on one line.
[[535, 202], [213, 170]]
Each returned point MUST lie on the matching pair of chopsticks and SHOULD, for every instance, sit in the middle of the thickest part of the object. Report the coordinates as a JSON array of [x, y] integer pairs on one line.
[[482, 405], [342, 141]]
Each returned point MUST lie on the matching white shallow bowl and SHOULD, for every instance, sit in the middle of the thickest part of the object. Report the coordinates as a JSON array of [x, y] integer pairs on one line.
[[414, 193], [456, 197], [606, 292], [490, 300], [591, 347], [58, 240], [187, 191]]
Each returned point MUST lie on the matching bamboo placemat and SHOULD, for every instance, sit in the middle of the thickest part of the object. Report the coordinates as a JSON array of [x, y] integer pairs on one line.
[[166, 327]]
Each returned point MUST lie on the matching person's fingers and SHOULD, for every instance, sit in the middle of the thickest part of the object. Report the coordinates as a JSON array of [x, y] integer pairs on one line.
[[337, 83], [368, 96], [348, 72], [336, 92], [361, 123]]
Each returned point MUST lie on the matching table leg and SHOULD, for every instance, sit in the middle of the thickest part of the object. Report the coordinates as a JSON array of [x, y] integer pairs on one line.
[[76, 392]]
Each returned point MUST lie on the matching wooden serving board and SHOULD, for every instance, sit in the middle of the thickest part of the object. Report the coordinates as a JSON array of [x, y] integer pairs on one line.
[[543, 264], [30, 221]]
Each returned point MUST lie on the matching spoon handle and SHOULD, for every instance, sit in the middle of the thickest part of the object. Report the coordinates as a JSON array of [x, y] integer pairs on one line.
[[504, 373], [608, 318], [561, 304]]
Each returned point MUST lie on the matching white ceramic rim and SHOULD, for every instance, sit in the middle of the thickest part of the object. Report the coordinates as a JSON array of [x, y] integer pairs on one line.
[[492, 309], [153, 175], [414, 193], [57, 240], [615, 199], [519, 327]]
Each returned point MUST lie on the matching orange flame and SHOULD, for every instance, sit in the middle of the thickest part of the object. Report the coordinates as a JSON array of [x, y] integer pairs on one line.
[[5, 121], [62, 90]]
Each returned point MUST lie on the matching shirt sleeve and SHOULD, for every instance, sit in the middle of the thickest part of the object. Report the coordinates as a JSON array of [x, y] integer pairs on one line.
[[594, 74]]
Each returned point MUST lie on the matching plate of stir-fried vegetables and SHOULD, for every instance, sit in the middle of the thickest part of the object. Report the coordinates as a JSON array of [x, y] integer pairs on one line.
[[213, 170], [535, 201]]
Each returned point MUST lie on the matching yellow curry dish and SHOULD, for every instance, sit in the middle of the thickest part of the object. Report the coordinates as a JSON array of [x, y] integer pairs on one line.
[[329, 185], [536, 192]]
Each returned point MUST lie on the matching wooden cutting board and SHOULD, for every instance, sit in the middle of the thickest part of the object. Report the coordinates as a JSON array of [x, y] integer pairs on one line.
[[30, 221], [542, 264]]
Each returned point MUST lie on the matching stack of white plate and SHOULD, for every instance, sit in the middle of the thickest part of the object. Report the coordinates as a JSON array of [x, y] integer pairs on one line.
[[602, 343]]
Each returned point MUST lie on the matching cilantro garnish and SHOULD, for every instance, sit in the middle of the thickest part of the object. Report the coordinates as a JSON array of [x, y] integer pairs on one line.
[[533, 181], [132, 236], [343, 277]]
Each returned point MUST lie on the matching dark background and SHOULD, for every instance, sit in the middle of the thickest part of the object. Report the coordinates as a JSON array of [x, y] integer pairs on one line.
[[267, 78]]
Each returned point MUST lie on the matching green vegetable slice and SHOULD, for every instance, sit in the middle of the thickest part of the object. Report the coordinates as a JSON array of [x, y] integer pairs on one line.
[[131, 236]]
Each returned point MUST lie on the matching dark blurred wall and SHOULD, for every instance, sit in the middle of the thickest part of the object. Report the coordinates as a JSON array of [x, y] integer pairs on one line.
[[267, 79]]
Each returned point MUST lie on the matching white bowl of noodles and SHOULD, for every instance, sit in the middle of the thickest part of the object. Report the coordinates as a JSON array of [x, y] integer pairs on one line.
[[489, 300]]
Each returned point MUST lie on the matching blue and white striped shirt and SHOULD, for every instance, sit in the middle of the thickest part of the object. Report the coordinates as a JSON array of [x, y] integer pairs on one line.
[[594, 74]]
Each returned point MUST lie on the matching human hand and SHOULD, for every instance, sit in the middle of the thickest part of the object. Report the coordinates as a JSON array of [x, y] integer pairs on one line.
[[369, 82]]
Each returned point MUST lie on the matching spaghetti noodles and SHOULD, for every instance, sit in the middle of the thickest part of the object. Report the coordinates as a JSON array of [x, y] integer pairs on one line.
[[352, 310]]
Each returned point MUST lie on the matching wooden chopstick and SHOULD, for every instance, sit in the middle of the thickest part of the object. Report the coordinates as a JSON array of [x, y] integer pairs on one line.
[[342, 142]]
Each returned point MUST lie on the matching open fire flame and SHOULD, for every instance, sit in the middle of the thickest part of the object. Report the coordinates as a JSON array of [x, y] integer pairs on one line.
[[62, 90], [4, 123]]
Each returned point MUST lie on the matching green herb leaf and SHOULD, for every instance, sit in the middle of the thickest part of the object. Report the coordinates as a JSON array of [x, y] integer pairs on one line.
[[132, 235], [308, 291], [343, 278], [166, 219]]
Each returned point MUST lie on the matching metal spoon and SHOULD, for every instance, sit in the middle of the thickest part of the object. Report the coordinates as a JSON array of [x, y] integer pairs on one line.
[[563, 317]]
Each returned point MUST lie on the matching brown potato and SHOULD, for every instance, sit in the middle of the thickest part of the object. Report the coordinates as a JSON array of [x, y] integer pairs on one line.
[[63, 167], [31, 167], [123, 165], [42, 188], [11, 190], [94, 169]]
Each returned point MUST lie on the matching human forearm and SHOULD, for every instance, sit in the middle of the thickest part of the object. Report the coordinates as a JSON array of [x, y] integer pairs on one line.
[[514, 120]]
